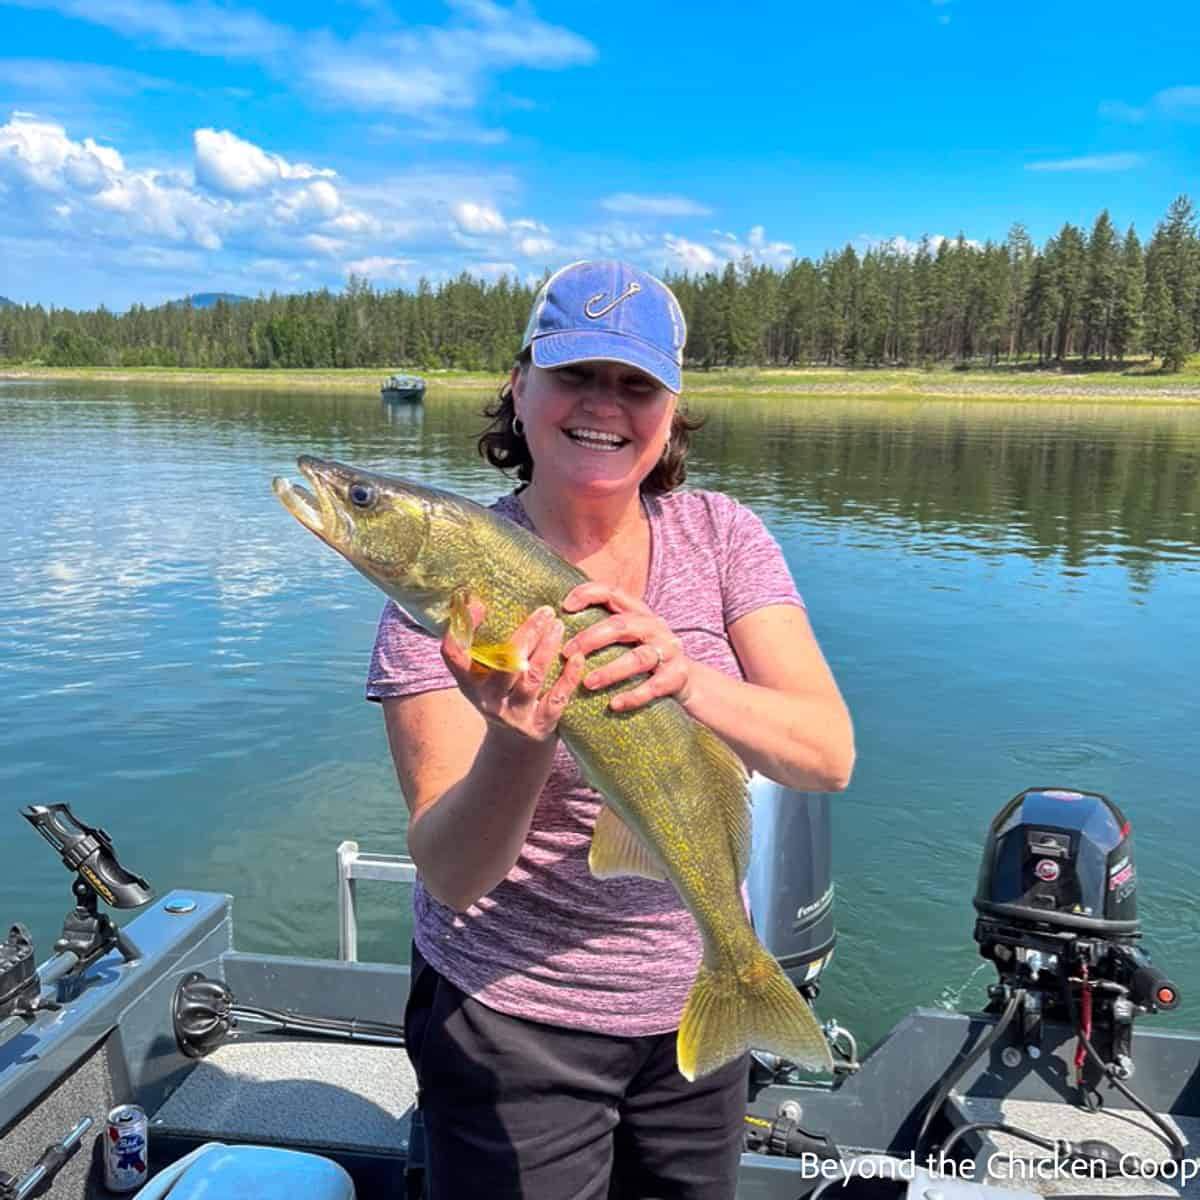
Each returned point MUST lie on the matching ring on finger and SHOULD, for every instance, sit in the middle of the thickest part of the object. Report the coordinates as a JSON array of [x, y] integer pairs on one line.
[[659, 655]]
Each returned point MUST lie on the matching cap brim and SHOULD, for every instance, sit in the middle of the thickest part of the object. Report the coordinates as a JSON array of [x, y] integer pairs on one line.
[[575, 346]]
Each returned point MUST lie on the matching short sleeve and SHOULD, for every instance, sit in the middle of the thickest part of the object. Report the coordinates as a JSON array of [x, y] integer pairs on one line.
[[406, 660], [754, 573]]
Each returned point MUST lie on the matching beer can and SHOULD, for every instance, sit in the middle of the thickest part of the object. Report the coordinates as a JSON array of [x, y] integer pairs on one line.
[[126, 1148]]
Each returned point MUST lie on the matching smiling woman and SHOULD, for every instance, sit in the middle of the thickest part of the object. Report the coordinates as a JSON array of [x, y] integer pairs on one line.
[[505, 445], [570, 991]]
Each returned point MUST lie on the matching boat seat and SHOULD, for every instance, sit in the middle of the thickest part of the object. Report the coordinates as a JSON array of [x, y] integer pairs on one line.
[[215, 1171]]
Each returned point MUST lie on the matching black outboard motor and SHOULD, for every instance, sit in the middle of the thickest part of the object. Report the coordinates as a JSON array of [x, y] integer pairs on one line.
[[789, 882], [1057, 914], [1059, 859]]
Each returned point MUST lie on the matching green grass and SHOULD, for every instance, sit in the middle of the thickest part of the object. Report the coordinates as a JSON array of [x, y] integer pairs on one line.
[[1135, 381], [329, 380]]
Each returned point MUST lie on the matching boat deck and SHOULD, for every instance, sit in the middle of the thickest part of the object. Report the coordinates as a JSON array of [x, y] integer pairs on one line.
[[296, 1092], [1008, 1160]]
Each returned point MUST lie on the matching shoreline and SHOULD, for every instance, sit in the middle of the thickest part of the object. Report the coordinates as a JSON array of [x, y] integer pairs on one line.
[[883, 384]]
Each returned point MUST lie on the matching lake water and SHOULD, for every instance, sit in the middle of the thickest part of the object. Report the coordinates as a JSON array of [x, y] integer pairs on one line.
[[1008, 594]]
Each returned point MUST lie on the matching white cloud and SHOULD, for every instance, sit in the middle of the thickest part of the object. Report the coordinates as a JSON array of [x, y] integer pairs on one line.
[[40, 153], [899, 244], [1179, 102], [319, 243], [67, 80], [1090, 162], [615, 240], [421, 72], [90, 185], [379, 267], [1173, 103], [689, 256], [478, 218], [756, 247], [200, 28], [360, 78], [230, 166], [762, 250], [313, 202], [532, 247], [92, 200], [633, 204], [494, 270], [274, 223], [509, 37], [351, 221]]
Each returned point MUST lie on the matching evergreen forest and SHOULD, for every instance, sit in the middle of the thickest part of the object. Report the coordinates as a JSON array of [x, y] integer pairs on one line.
[[1097, 296]]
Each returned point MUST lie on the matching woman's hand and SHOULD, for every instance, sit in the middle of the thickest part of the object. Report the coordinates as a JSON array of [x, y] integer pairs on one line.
[[514, 701], [657, 653]]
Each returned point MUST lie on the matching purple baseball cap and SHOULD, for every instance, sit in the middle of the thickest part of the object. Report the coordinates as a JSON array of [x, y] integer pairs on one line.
[[611, 311]]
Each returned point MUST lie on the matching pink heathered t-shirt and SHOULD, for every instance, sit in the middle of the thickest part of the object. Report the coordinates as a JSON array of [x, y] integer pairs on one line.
[[551, 943]]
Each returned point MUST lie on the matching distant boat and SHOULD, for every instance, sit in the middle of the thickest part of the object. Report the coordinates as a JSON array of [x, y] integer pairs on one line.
[[403, 389]]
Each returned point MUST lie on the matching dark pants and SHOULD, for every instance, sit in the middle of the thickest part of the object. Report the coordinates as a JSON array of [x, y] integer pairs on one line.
[[518, 1110]]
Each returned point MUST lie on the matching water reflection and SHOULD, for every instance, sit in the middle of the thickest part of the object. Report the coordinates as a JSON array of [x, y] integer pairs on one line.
[[402, 414], [1076, 482]]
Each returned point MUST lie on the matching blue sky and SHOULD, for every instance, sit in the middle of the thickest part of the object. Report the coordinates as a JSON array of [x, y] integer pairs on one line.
[[151, 148]]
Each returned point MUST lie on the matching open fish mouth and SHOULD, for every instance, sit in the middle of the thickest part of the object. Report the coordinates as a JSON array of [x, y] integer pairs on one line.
[[314, 510]]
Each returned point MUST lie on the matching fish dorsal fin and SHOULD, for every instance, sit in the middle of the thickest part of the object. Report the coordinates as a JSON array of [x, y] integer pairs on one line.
[[616, 850], [731, 794], [496, 656]]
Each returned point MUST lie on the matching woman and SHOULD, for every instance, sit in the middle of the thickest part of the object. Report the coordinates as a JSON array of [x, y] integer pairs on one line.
[[544, 1003]]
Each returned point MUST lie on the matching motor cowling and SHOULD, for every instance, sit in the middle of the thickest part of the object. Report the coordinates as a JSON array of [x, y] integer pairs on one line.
[[790, 882], [1062, 860]]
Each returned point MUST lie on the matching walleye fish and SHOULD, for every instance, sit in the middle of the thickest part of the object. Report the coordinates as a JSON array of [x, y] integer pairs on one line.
[[676, 799]]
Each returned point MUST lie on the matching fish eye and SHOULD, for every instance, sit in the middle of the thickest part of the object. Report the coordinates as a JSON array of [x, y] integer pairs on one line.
[[362, 495]]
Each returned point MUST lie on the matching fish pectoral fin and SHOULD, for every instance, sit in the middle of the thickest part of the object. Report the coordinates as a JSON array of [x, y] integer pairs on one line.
[[495, 656], [500, 656], [616, 851], [461, 628]]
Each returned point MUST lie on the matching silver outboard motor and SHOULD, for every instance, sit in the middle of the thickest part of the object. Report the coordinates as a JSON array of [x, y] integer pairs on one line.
[[790, 879]]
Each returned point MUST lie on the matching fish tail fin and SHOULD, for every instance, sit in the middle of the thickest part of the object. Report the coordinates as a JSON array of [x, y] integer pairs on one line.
[[733, 1008]]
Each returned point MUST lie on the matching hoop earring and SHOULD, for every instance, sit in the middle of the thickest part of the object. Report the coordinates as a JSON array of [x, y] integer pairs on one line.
[[518, 426], [667, 449]]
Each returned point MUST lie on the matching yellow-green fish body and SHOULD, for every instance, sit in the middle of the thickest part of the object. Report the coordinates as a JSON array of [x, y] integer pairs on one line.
[[676, 795]]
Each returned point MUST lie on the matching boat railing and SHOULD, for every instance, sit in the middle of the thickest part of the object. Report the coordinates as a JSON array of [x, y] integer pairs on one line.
[[354, 864]]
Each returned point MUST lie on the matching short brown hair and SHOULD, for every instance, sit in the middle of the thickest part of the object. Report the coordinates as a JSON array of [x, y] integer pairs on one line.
[[503, 447]]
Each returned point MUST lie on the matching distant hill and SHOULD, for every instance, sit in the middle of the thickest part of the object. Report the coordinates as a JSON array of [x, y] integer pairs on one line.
[[5, 302], [208, 299]]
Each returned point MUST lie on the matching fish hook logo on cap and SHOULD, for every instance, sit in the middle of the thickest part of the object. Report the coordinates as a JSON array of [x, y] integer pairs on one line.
[[612, 311]]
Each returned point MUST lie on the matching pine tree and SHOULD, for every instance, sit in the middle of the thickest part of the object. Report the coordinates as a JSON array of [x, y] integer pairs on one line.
[[1126, 326], [1042, 304], [1101, 289], [1020, 266], [1067, 265], [1173, 278]]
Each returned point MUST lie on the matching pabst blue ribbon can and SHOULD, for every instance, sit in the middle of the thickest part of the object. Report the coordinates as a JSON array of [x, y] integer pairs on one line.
[[126, 1148]]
